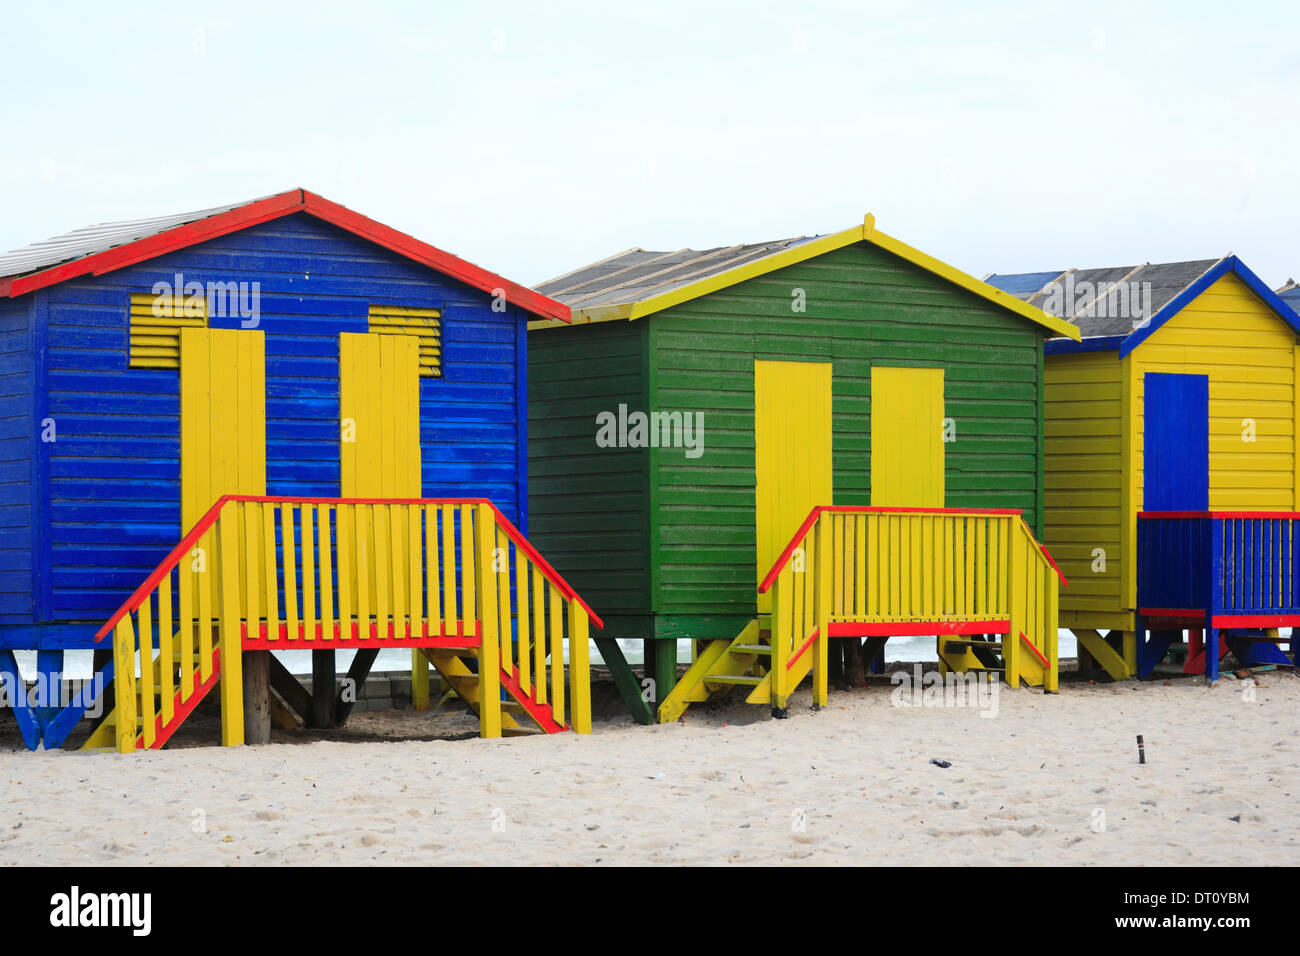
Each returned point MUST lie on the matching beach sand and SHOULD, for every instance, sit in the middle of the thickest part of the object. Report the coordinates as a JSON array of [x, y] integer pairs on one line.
[[852, 784]]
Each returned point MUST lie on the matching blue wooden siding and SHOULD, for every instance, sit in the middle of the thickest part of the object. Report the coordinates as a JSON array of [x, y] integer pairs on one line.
[[16, 421], [114, 508]]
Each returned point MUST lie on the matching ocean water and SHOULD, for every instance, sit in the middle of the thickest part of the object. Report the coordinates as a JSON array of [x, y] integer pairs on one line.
[[77, 664]]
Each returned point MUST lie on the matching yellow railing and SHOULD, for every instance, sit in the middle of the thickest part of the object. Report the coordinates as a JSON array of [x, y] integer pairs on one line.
[[881, 571], [268, 573]]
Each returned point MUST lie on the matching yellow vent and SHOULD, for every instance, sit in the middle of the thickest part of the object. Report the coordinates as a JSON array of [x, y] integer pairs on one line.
[[425, 324], [156, 323]]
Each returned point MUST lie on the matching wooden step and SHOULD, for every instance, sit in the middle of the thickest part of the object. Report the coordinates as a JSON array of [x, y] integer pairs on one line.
[[747, 680], [522, 732], [955, 647], [751, 649]]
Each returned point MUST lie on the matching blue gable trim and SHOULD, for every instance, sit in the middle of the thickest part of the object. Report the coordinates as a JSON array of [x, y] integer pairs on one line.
[[1097, 343], [1179, 302]]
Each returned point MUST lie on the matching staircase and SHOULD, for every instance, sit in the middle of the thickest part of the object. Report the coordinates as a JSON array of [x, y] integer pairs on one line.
[[452, 578], [976, 578]]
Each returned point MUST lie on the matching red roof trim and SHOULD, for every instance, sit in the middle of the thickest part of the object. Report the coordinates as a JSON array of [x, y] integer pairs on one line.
[[274, 207]]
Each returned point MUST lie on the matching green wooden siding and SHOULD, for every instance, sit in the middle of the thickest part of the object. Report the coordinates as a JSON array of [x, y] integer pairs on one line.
[[588, 505], [863, 306]]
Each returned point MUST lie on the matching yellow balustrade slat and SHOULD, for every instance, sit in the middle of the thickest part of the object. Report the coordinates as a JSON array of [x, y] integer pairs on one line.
[[468, 602], [448, 569], [287, 550], [147, 712], [432, 587], [270, 569], [326, 538], [305, 516], [247, 512], [415, 569], [382, 552], [501, 555], [185, 585], [522, 614], [556, 606], [166, 648], [361, 548], [836, 571], [205, 577], [396, 521], [343, 519], [539, 632]]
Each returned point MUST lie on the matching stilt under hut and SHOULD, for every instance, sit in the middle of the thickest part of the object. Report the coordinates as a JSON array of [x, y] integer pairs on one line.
[[1173, 478], [268, 426], [760, 447]]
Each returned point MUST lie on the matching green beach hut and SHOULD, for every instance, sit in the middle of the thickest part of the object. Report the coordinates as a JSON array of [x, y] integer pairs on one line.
[[703, 402]]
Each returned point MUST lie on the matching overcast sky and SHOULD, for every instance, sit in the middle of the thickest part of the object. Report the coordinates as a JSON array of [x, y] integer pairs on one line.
[[532, 138]]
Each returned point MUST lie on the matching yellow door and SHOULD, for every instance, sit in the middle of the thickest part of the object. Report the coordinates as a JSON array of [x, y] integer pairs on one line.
[[379, 455], [907, 437], [792, 454], [379, 405], [223, 418]]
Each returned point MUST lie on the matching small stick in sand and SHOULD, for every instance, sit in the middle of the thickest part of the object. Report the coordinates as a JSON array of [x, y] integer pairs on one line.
[[1142, 754]]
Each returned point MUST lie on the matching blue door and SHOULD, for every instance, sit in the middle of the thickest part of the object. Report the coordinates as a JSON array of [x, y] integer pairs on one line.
[[1177, 442]]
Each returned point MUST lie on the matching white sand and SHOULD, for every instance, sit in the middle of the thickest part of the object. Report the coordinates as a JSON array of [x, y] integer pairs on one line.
[[1023, 788]]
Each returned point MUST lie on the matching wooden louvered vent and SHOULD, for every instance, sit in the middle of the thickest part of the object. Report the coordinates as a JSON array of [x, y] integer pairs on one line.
[[156, 323], [426, 324]]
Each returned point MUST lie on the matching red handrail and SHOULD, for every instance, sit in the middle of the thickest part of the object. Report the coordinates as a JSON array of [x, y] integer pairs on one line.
[[205, 523], [1219, 514]]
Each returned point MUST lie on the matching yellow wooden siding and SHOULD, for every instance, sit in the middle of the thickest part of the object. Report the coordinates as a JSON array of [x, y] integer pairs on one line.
[[792, 454], [379, 405], [223, 417], [155, 328], [907, 437], [424, 324], [1084, 476]]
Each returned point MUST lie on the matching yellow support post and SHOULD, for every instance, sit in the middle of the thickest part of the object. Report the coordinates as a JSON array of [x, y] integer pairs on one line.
[[1051, 678], [419, 679], [124, 679], [1015, 564], [821, 648], [231, 643], [489, 660], [782, 609], [579, 670]]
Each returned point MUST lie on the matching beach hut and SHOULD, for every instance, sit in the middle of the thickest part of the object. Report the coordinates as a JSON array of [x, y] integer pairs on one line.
[[1179, 403], [270, 425], [761, 446]]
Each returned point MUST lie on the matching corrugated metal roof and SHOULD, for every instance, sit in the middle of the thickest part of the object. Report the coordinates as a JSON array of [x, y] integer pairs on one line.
[[637, 274], [92, 239], [1104, 302]]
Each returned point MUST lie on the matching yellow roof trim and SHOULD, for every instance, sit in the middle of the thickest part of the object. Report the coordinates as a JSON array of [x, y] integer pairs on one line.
[[866, 232]]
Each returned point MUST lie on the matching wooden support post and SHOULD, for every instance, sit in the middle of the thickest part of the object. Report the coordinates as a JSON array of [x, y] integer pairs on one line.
[[100, 657], [49, 682], [289, 688], [357, 674], [625, 680], [665, 666], [257, 697], [419, 679], [324, 680]]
